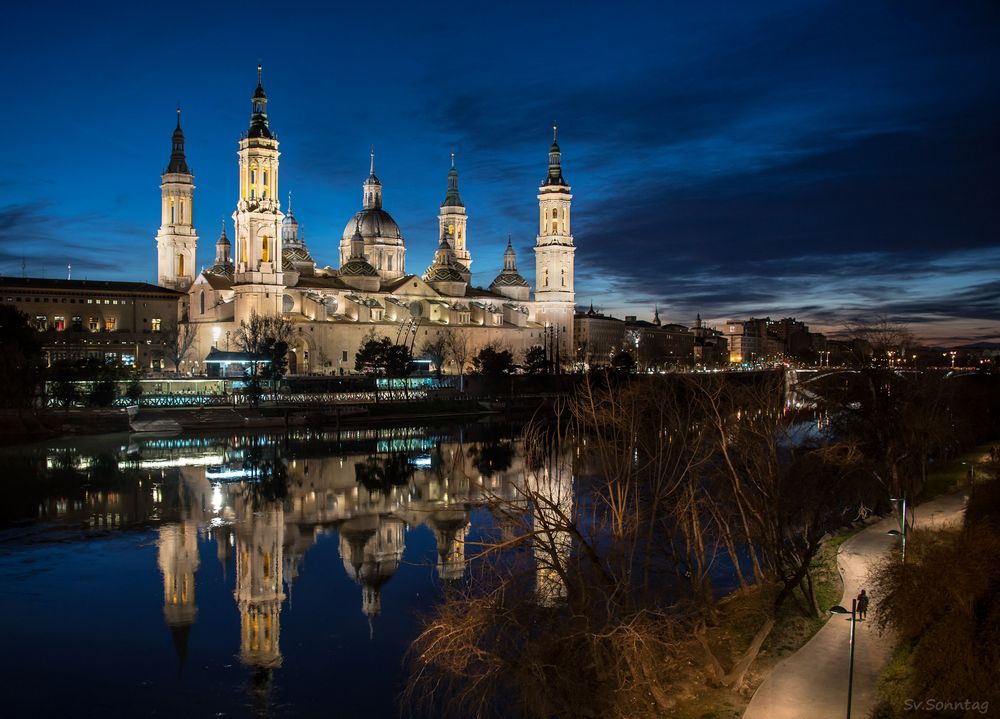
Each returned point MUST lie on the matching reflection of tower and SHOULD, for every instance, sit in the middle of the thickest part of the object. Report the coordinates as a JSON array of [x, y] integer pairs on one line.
[[177, 550], [550, 487], [372, 548], [258, 582], [450, 527]]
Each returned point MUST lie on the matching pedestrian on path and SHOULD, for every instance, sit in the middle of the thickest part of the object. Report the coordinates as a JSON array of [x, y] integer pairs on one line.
[[862, 605]]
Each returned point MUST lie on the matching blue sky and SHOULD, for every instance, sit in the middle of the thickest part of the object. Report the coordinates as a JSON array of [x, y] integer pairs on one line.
[[828, 160]]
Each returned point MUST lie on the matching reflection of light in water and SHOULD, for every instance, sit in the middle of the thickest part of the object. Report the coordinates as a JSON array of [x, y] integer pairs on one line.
[[221, 472], [216, 498], [180, 462], [422, 461]]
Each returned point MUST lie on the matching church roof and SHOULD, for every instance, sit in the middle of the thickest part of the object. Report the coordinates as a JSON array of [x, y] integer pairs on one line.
[[373, 222], [443, 273], [219, 277], [509, 278], [48, 285], [358, 268]]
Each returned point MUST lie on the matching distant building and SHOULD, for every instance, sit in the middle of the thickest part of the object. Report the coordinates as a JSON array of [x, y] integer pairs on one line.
[[597, 337], [89, 319], [659, 346], [710, 345]]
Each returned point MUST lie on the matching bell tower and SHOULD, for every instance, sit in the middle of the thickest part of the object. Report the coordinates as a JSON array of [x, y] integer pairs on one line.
[[258, 282], [554, 251], [176, 240], [452, 218]]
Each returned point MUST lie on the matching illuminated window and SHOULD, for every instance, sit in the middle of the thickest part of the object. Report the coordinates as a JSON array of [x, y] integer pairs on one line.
[[243, 251], [41, 322], [109, 324], [555, 213], [266, 249], [555, 226], [180, 265], [92, 325], [155, 323], [59, 323], [182, 211]]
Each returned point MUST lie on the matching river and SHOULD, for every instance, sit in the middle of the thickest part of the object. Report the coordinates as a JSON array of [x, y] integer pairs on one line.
[[237, 575]]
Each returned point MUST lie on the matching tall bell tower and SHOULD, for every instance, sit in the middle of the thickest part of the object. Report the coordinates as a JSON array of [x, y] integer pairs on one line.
[[554, 251], [176, 240], [258, 282], [453, 220]]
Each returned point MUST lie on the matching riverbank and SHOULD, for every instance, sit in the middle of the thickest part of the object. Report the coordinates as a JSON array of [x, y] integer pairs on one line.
[[34, 425]]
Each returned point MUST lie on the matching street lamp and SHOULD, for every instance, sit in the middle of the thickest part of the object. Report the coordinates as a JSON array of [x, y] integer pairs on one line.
[[850, 676], [972, 471], [901, 532]]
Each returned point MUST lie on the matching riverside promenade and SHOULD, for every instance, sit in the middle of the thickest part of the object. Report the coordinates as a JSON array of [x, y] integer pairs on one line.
[[812, 682]]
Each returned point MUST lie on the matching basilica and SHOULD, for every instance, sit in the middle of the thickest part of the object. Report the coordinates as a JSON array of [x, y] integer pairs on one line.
[[268, 269]]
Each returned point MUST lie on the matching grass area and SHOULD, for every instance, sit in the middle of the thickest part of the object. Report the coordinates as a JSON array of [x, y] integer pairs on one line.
[[953, 474], [741, 616]]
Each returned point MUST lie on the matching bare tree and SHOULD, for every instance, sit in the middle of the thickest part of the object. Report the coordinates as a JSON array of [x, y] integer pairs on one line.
[[437, 351], [177, 340], [459, 347]]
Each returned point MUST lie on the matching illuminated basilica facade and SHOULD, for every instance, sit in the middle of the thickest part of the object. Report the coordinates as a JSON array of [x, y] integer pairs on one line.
[[268, 269]]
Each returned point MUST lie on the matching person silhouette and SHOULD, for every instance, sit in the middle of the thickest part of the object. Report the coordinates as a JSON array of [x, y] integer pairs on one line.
[[862, 605]]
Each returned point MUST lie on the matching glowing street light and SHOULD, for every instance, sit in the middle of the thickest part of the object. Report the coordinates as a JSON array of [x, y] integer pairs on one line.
[[850, 676]]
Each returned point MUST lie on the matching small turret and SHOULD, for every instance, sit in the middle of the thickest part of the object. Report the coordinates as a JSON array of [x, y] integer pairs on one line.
[[372, 187], [509, 282]]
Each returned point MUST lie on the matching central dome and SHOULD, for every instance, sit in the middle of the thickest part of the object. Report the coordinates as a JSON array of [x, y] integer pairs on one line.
[[373, 223]]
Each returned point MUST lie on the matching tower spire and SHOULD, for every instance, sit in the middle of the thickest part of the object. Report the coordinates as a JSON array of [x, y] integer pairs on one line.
[[371, 170], [178, 162], [259, 126], [372, 186], [555, 161]]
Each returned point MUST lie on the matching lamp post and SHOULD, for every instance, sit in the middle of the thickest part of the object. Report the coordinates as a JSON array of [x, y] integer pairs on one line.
[[850, 675], [901, 532]]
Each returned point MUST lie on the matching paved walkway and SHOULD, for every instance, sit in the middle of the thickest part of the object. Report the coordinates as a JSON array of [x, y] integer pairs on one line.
[[812, 682]]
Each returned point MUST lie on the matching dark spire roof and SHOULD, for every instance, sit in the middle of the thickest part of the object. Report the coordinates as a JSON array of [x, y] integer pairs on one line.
[[452, 199], [555, 162], [178, 163], [372, 178], [258, 110]]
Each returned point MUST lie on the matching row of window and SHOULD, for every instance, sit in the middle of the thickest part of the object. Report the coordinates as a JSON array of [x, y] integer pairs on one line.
[[93, 323], [70, 300]]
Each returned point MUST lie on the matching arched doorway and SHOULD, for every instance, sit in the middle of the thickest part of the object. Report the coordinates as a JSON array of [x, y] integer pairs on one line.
[[298, 356]]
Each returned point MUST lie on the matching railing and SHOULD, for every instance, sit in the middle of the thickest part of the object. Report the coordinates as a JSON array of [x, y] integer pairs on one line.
[[244, 400]]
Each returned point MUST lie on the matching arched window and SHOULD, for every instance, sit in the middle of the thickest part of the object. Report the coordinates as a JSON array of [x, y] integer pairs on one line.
[[555, 213], [562, 274], [546, 283], [182, 210], [202, 301], [389, 262], [265, 254], [171, 210], [180, 265]]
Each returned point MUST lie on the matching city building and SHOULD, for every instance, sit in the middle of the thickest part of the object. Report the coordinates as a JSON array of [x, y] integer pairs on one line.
[[597, 337], [657, 346], [268, 269], [710, 345], [95, 319]]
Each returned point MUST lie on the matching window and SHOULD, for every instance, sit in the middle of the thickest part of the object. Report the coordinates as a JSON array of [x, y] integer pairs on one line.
[[562, 274], [253, 176], [180, 268], [171, 210], [182, 211], [343, 355], [266, 249], [77, 323], [389, 261], [202, 301], [59, 322], [92, 325], [265, 178], [546, 282], [41, 322], [555, 214], [109, 324], [155, 322]]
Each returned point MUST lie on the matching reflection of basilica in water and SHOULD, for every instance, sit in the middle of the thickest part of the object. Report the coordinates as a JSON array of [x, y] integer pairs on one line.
[[370, 499]]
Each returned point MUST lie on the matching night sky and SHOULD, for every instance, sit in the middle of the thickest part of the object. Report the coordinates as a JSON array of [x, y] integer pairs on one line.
[[826, 160]]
